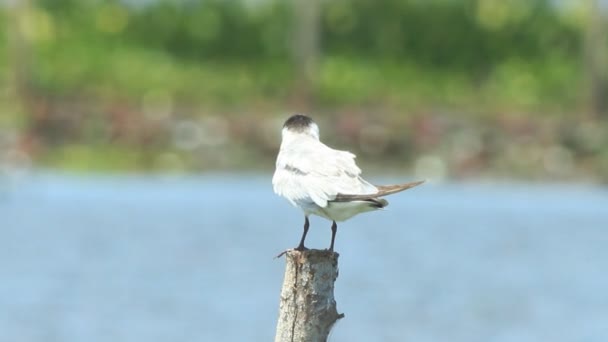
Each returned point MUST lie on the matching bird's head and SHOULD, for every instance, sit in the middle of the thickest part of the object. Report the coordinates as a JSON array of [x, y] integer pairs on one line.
[[299, 124]]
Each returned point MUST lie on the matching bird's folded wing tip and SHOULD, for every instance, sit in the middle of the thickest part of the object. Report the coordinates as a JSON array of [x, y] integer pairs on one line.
[[413, 184]]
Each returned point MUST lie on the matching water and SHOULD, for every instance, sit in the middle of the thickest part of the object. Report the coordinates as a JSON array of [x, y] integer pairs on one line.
[[143, 258]]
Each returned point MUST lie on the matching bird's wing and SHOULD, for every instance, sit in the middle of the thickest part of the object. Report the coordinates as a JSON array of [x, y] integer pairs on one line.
[[311, 170], [383, 190]]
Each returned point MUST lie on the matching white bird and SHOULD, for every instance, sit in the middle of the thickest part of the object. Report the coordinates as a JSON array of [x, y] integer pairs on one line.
[[323, 181]]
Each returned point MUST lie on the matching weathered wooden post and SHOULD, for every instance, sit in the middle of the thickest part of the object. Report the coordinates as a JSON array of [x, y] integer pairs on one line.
[[307, 311]]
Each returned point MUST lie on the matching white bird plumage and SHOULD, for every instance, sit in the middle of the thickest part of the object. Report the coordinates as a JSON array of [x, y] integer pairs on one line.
[[321, 180]]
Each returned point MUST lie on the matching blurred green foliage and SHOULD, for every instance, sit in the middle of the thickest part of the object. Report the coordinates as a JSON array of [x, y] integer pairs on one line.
[[401, 52], [470, 34], [106, 83]]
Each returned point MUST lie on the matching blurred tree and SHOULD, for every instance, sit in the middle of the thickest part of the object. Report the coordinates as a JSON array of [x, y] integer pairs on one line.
[[273, 48], [306, 35], [19, 47], [596, 58], [24, 29]]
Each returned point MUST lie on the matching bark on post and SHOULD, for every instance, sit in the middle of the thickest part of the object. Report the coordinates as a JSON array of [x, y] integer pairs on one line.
[[307, 311]]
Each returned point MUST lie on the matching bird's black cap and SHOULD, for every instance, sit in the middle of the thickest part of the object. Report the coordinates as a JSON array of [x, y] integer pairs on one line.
[[298, 123]]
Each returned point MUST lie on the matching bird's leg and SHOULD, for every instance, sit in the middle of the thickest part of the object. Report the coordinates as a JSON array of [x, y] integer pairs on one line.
[[334, 229], [301, 245]]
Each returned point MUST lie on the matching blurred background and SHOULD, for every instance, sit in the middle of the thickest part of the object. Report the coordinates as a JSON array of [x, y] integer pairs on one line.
[[138, 138]]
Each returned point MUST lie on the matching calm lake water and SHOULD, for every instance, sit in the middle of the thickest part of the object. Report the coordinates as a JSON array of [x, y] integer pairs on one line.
[[148, 258]]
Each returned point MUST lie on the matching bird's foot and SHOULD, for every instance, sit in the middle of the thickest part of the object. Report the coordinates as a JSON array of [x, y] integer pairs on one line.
[[300, 248]]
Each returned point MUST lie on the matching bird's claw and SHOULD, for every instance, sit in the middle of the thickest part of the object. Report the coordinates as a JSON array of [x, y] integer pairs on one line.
[[299, 249]]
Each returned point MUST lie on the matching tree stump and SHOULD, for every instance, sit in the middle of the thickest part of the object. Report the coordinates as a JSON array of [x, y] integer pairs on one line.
[[307, 311]]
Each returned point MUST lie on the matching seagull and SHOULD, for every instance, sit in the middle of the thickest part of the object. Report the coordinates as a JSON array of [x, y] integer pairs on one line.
[[323, 181]]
